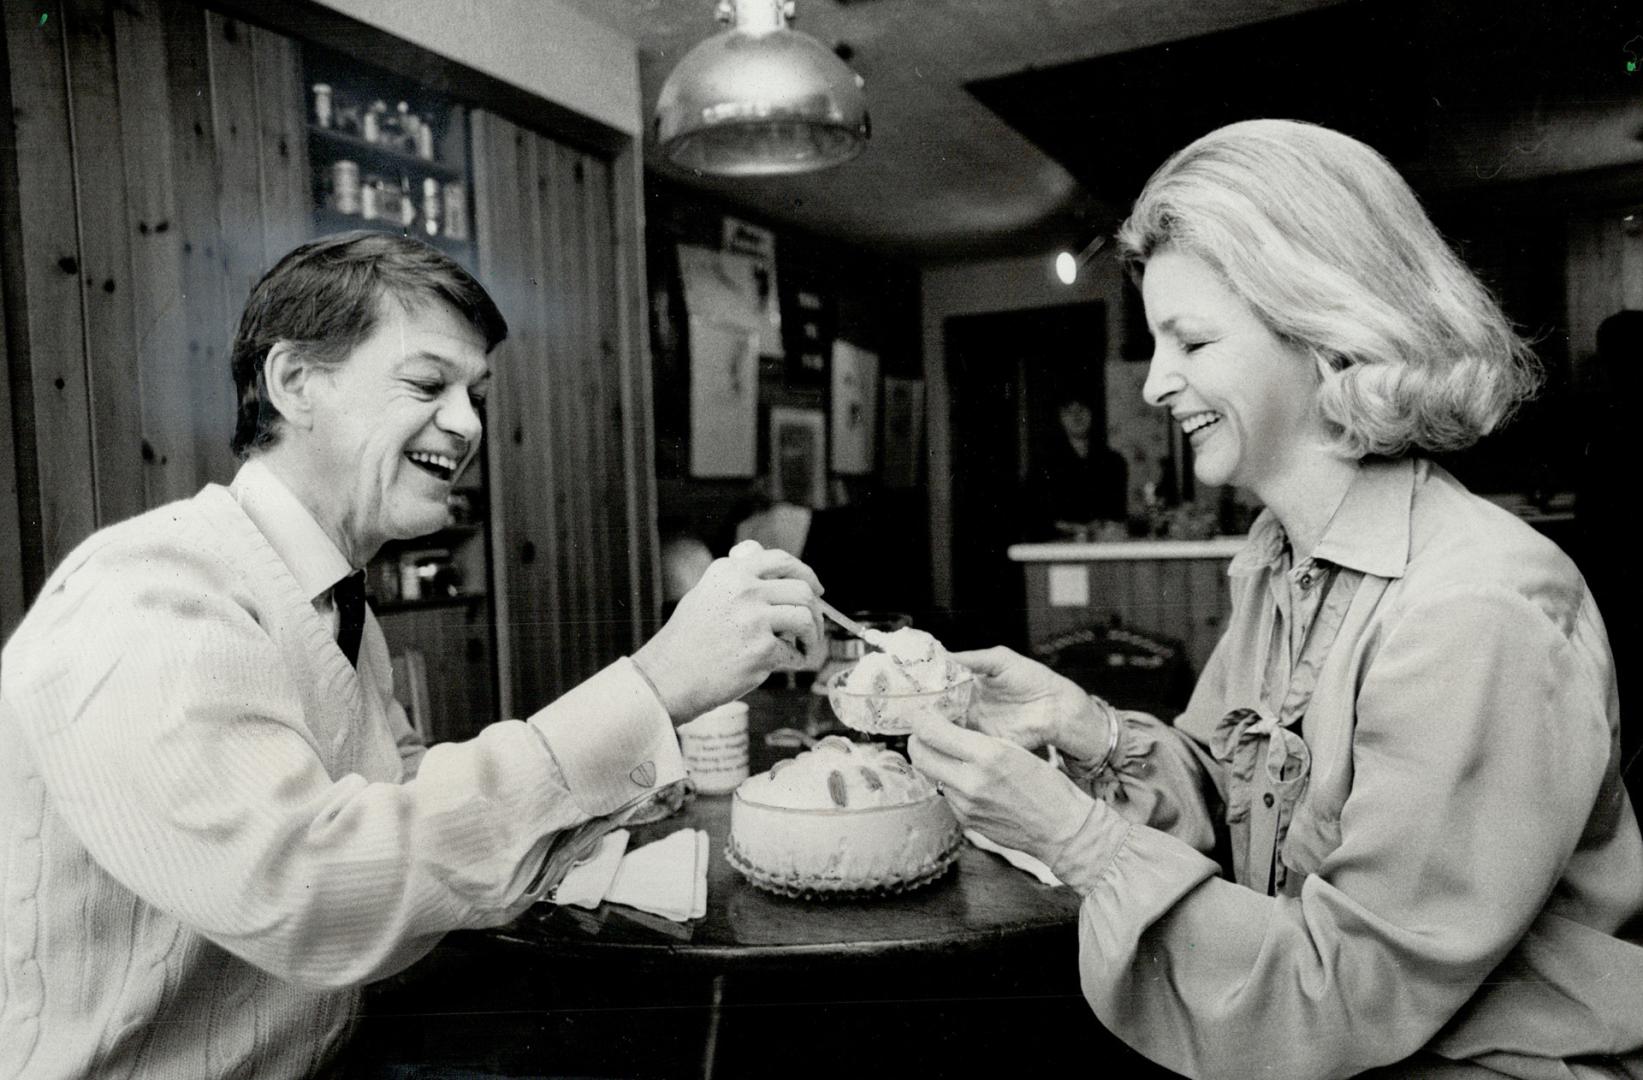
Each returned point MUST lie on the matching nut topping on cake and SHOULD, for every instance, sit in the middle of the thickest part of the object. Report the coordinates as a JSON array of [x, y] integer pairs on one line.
[[835, 788]]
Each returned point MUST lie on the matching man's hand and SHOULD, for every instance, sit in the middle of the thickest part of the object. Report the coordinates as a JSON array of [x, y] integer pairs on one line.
[[722, 640], [999, 789], [1023, 701]]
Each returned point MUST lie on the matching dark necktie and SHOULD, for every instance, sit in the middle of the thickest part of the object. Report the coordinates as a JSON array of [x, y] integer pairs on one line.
[[349, 597]]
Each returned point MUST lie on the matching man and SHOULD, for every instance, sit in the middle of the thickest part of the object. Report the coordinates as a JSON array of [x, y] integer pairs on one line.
[[215, 821]]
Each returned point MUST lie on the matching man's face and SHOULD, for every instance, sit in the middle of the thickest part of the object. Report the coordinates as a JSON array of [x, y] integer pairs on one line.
[[394, 425]]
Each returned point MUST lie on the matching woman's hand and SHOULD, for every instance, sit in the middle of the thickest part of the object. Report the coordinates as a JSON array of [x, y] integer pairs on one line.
[[1022, 700], [999, 789], [752, 613]]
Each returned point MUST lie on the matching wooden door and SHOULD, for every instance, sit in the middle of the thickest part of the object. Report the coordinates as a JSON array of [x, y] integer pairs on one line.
[[160, 171], [1003, 372], [572, 478]]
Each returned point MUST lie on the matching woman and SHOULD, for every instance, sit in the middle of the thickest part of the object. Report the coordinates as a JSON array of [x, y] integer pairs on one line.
[[1075, 481], [1404, 747]]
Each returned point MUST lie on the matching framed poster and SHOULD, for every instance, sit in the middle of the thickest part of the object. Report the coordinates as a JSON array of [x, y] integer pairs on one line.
[[724, 399], [798, 456], [758, 245], [731, 289], [855, 393], [903, 431]]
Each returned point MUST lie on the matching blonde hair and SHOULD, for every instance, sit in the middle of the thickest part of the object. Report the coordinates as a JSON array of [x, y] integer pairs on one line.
[[1332, 250]]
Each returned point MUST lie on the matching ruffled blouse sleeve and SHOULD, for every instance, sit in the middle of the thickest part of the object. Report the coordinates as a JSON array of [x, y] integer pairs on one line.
[[1159, 774]]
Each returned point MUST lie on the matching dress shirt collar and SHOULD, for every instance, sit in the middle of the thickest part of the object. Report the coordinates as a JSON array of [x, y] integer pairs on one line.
[[1369, 532], [314, 561]]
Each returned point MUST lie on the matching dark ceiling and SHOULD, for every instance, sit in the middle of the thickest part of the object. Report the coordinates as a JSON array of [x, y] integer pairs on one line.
[[1010, 127], [1402, 76]]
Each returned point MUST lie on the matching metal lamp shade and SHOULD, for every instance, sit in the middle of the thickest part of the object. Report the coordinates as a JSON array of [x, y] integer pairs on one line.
[[761, 104]]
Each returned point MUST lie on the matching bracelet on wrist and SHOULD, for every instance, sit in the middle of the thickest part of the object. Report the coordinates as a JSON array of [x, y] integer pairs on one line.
[[1088, 769]]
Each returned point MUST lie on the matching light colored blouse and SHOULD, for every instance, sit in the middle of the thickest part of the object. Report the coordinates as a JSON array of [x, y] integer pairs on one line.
[[1407, 748]]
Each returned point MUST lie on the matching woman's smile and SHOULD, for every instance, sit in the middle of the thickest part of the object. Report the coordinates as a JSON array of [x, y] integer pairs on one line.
[[1242, 396]]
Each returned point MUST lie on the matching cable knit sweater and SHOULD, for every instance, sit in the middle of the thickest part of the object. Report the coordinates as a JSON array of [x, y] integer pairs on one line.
[[212, 829]]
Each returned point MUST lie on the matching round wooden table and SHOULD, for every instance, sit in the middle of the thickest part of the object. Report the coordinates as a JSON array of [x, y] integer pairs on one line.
[[982, 903], [981, 920]]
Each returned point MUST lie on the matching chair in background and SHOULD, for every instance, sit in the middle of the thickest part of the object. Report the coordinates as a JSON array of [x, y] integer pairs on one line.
[[1130, 669]]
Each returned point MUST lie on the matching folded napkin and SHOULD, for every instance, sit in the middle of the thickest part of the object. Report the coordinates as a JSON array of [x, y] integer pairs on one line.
[[1019, 859], [667, 877], [586, 883]]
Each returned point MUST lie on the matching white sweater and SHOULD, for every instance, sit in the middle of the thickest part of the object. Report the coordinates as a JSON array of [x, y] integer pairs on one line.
[[208, 839]]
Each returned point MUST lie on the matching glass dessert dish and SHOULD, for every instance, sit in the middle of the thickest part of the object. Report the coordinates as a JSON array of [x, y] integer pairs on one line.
[[891, 712]]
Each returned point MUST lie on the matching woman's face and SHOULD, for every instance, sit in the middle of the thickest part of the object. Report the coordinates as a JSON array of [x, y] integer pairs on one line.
[[1244, 399]]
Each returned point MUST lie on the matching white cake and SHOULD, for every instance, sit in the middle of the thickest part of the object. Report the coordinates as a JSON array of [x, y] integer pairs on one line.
[[841, 818]]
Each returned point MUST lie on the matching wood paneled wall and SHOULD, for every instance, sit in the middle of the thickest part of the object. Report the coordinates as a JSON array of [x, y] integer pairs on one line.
[[570, 467], [1184, 600], [182, 175], [454, 642]]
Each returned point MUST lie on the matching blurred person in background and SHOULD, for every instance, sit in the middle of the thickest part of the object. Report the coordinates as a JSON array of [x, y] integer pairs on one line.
[[1074, 483]]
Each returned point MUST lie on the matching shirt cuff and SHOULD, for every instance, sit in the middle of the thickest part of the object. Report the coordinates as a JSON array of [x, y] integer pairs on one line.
[[611, 739], [1086, 856]]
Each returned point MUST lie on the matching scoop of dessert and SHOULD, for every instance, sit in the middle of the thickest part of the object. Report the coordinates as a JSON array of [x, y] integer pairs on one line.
[[912, 661]]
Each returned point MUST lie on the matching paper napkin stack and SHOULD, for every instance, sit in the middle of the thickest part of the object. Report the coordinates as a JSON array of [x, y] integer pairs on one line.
[[667, 877], [1019, 859]]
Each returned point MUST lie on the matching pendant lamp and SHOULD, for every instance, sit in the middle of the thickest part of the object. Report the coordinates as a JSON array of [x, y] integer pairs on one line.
[[760, 99]]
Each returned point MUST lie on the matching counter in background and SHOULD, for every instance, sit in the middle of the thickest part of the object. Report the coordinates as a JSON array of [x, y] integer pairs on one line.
[[1172, 588]]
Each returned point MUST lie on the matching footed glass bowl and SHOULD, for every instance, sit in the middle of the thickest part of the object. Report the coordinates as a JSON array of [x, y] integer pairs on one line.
[[889, 713]]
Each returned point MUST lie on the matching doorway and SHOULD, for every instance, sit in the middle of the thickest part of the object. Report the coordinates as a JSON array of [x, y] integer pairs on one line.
[[1004, 372]]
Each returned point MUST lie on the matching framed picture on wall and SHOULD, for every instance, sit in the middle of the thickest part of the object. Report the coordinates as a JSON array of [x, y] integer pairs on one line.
[[798, 455], [855, 408], [724, 399]]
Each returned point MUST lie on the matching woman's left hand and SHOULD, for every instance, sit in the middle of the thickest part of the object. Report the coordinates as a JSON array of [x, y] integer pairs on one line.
[[999, 789]]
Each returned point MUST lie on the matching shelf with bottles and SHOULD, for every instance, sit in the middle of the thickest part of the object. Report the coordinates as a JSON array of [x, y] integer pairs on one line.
[[395, 607], [386, 154], [380, 157], [443, 567]]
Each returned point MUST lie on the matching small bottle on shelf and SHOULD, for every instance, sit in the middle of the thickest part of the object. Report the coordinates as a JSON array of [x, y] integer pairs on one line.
[[345, 115], [456, 210], [404, 132], [345, 190], [371, 124], [323, 115], [388, 203], [431, 210], [370, 198], [407, 203], [424, 139]]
